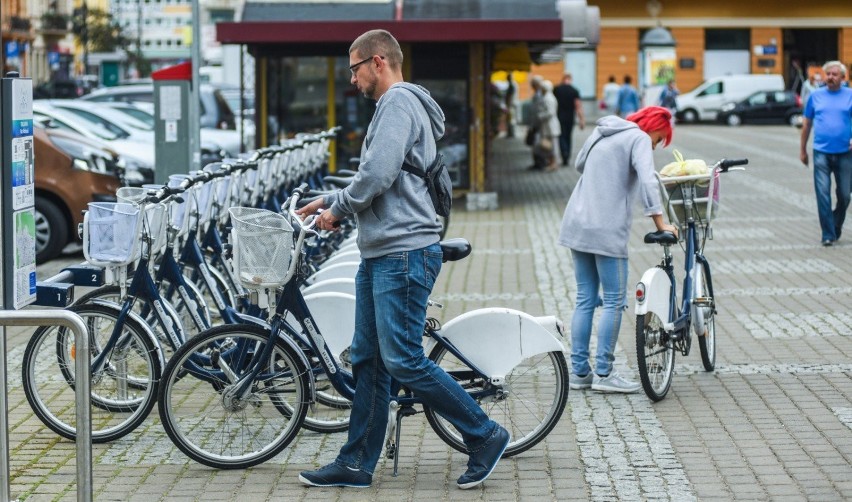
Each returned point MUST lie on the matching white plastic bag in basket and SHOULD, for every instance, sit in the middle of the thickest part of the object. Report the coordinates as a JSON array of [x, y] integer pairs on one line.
[[684, 167]]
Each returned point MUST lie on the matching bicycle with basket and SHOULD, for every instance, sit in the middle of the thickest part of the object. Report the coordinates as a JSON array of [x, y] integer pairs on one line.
[[236, 395], [663, 326]]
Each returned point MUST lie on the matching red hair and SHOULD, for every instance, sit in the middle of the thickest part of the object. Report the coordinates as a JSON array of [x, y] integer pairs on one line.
[[654, 118]]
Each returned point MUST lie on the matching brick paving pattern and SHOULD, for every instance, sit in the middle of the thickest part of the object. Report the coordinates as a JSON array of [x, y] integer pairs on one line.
[[773, 422]]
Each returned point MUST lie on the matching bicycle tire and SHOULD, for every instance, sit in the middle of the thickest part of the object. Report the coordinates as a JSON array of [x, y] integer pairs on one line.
[[517, 415], [189, 323], [115, 412], [220, 283], [707, 341], [655, 356], [142, 307], [239, 433], [330, 412]]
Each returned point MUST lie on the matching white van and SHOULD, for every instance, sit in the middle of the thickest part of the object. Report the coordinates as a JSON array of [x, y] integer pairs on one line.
[[704, 102]]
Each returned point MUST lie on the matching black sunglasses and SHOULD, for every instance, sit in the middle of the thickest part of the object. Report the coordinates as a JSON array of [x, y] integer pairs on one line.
[[355, 66]]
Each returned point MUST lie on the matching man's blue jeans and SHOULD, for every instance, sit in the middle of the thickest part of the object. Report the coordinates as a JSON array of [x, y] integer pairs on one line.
[[826, 165], [390, 313], [594, 272]]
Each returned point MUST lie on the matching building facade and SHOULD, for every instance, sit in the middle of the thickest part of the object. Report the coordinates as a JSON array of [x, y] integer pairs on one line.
[[783, 37], [727, 37]]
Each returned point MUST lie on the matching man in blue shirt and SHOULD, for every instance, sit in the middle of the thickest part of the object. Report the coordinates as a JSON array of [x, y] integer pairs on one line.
[[829, 111], [628, 98]]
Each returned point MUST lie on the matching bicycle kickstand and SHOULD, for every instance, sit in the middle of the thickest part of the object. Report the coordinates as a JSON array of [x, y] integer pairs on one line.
[[396, 414]]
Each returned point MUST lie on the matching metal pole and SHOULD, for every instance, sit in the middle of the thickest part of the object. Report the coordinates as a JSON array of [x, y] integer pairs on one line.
[[195, 95], [82, 389]]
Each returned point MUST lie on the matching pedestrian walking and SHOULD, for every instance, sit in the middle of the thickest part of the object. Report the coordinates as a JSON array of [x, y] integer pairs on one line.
[[628, 98], [549, 129], [610, 95], [511, 101], [668, 97], [400, 261], [813, 83], [537, 108], [616, 166], [568, 98], [829, 113]]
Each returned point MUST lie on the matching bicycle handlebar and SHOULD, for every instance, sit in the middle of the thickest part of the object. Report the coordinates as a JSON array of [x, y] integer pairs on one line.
[[726, 164]]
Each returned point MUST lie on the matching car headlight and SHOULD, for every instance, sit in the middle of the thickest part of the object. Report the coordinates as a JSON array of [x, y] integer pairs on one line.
[[85, 157], [728, 107], [136, 172]]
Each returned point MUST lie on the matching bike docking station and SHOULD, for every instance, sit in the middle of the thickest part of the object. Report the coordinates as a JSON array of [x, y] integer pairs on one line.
[[18, 276]]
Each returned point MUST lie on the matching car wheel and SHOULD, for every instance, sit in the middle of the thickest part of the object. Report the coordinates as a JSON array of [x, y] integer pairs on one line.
[[690, 116], [734, 120], [795, 119], [51, 230]]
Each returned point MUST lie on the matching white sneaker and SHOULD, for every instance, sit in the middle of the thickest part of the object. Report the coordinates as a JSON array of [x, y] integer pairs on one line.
[[615, 383], [579, 383]]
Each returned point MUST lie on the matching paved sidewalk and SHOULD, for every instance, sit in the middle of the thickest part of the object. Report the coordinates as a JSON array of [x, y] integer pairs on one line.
[[773, 422]]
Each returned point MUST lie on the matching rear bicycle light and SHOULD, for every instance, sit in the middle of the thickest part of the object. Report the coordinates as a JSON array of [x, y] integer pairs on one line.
[[640, 292]]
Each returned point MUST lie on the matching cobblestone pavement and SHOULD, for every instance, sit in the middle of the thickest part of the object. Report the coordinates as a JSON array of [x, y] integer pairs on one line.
[[773, 422]]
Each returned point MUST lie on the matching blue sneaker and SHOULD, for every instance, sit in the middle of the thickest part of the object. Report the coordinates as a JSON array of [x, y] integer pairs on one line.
[[481, 463], [336, 475]]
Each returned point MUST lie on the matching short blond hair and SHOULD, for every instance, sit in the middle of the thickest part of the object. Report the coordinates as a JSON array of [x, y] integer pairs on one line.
[[378, 43]]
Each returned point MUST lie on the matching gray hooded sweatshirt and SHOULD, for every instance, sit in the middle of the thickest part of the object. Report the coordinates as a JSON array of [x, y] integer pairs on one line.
[[391, 206], [618, 168]]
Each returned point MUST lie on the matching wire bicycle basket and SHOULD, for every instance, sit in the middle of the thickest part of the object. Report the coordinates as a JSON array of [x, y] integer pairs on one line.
[[110, 233], [694, 196], [263, 247]]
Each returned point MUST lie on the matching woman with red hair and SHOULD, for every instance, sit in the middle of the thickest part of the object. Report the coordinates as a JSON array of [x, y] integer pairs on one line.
[[617, 166]]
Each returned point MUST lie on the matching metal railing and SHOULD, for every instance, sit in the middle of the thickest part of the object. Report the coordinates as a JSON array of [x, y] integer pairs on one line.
[[82, 367]]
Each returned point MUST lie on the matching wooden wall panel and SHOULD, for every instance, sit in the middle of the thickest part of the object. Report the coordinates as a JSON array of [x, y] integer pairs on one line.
[[845, 45], [690, 45], [765, 36], [618, 55]]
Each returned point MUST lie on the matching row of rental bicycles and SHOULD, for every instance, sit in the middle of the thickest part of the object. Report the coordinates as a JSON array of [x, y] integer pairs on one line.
[[234, 316]]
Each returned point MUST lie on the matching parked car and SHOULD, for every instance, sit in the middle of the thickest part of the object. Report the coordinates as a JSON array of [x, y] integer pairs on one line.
[[70, 172], [137, 156], [764, 107], [225, 141], [214, 111], [705, 101], [59, 89]]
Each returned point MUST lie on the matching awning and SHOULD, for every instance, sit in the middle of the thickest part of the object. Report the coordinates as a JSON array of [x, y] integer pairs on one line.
[[420, 30]]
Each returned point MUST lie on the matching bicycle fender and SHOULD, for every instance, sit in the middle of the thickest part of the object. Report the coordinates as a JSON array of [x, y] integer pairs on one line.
[[339, 285], [657, 287], [497, 339], [136, 317], [334, 314], [338, 270]]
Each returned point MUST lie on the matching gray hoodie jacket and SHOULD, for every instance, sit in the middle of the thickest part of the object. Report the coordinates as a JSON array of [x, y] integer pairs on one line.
[[391, 206], [600, 210]]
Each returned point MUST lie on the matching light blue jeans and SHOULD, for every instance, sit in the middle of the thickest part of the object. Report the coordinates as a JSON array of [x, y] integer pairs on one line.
[[390, 313], [593, 273], [826, 165]]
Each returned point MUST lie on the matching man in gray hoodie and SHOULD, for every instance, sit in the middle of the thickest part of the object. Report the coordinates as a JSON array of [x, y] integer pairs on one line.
[[400, 261]]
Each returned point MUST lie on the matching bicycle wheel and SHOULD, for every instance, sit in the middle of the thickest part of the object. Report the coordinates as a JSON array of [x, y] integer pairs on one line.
[[707, 313], [655, 356], [142, 307], [122, 393], [191, 325], [528, 404], [191, 272], [228, 432]]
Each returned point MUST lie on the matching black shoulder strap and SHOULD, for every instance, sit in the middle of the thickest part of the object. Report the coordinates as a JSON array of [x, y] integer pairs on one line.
[[420, 172]]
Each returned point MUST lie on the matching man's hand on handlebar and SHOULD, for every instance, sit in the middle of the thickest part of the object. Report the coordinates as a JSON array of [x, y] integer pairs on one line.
[[325, 220]]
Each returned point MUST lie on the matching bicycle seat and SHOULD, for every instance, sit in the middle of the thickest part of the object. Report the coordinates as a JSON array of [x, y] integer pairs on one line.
[[337, 181], [455, 249], [661, 237]]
